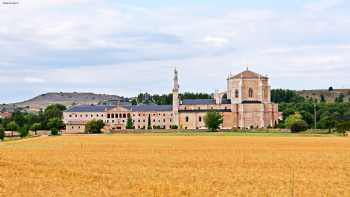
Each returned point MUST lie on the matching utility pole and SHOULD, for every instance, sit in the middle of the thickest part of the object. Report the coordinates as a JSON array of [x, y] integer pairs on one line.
[[315, 117]]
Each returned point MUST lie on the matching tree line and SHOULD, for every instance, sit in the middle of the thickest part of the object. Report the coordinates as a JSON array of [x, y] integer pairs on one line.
[[310, 112], [166, 99], [23, 122]]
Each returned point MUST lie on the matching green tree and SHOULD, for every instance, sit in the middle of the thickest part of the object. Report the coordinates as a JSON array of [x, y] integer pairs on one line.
[[322, 99], [94, 126], [24, 131], [129, 124], [2, 133], [35, 127], [55, 124], [340, 98], [327, 122], [343, 127], [134, 102], [149, 126], [299, 126], [292, 119], [54, 111], [213, 120], [12, 126]]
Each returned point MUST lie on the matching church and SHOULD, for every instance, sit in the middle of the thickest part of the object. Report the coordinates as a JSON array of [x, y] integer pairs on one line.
[[245, 104]]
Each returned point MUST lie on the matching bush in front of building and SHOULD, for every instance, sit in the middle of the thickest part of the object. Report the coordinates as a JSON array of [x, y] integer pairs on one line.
[[130, 124], [55, 124], [94, 126], [174, 127], [299, 126], [213, 120]]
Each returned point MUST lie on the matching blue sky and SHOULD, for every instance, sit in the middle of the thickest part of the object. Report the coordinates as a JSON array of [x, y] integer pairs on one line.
[[129, 46]]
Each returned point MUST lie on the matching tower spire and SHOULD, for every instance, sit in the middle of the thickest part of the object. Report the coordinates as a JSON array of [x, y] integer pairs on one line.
[[176, 81]]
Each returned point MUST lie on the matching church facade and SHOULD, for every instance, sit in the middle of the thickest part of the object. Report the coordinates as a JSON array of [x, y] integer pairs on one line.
[[245, 104]]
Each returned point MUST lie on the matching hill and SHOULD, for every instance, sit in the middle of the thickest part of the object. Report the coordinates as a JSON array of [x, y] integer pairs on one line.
[[67, 99], [329, 96]]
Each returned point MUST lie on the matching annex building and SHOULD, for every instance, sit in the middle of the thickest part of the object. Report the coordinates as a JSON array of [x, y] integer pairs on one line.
[[245, 104]]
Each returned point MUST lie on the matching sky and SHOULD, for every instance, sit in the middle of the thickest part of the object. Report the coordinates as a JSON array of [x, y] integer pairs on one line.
[[124, 47]]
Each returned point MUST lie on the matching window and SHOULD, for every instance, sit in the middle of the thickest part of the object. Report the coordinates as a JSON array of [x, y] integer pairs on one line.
[[200, 119], [250, 92], [236, 93], [112, 115], [187, 118], [199, 108], [76, 115], [92, 115], [124, 115], [86, 115], [116, 116], [81, 115], [163, 120], [97, 115], [70, 115], [108, 115]]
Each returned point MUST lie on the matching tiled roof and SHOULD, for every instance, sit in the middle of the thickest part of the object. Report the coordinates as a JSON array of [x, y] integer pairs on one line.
[[150, 108], [247, 74], [90, 108], [198, 101]]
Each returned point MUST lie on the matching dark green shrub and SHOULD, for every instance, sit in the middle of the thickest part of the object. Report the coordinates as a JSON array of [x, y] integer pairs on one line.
[[54, 131], [94, 126], [174, 127], [24, 131], [299, 126], [2, 132], [55, 124], [342, 127]]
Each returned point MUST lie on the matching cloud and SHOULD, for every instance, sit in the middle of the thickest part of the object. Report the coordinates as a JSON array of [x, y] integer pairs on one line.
[[125, 48], [322, 5]]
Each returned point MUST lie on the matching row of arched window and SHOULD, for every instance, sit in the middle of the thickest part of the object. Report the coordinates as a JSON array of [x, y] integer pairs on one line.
[[250, 93]]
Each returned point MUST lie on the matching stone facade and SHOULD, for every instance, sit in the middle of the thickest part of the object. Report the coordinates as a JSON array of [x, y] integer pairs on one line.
[[245, 104]]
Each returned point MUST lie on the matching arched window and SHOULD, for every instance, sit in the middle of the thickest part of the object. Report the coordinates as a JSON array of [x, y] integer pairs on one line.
[[187, 119], [236, 93], [200, 119], [250, 92]]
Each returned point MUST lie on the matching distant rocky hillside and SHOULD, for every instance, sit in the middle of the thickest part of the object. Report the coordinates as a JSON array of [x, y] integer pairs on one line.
[[67, 99], [329, 96]]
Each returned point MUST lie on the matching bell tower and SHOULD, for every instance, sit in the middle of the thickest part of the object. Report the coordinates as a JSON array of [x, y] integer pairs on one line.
[[176, 101]]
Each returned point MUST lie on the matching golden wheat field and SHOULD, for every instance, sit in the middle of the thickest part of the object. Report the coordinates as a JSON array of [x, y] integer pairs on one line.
[[137, 165]]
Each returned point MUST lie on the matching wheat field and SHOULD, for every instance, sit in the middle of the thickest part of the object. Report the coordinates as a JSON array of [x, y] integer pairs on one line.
[[139, 165]]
